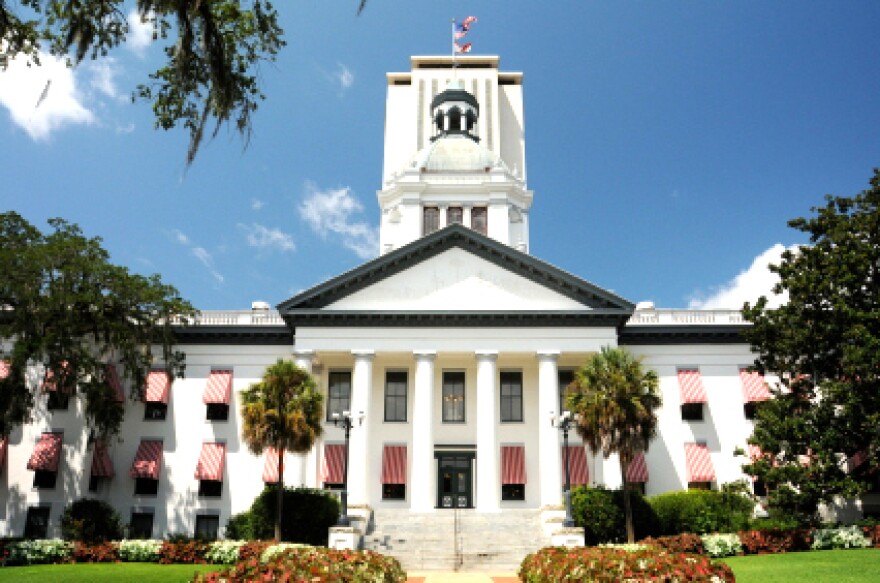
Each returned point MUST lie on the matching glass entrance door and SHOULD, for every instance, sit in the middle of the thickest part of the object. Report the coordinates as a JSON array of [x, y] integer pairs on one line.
[[454, 488]]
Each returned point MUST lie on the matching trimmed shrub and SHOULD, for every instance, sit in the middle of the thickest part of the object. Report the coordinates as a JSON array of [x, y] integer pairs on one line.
[[239, 526], [89, 520], [104, 552], [224, 552], [847, 537], [312, 564], [769, 541], [600, 512], [140, 551], [190, 551], [275, 550], [701, 511], [774, 523], [609, 565], [721, 545], [308, 516], [38, 552], [678, 543]]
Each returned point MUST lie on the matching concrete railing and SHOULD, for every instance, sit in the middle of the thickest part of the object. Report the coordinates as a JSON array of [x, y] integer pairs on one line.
[[664, 317], [237, 318]]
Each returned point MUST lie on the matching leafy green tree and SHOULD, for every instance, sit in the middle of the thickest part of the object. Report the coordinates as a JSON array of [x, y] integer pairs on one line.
[[213, 51], [283, 412], [63, 304], [824, 344], [615, 401]]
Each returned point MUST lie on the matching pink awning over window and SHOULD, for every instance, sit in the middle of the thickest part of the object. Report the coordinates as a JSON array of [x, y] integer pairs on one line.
[[513, 464], [577, 465], [637, 472], [115, 383], [4, 369], [102, 465], [211, 461], [46, 453], [692, 389], [158, 387], [333, 468], [699, 463], [147, 460], [394, 464], [219, 387], [754, 387]]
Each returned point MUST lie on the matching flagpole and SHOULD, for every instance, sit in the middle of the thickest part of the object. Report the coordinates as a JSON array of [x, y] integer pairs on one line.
[[452, 40]]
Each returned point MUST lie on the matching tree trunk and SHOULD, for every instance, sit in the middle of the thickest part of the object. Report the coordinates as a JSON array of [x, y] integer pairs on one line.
[[627, 505], [279, 500]]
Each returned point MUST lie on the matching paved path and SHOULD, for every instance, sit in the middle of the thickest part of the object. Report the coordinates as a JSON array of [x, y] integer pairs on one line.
[[443, 577]]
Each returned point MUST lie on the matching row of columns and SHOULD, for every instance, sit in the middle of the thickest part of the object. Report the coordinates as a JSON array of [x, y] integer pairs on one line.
[[423, 496]]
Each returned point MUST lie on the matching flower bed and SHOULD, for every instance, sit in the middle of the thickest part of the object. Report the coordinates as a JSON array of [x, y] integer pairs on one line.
[[775, 540], [312, 564], [610, 565]]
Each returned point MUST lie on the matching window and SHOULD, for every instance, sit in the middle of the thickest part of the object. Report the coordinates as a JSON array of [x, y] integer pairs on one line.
[[393, 491], [750, 409], [759, 487], [430, 219], [36, 524], [637, 487], [141, 524], [566, 377], [210, 488], [699, 485], [692, 412], [155, 411], [207, 527], [217, 412], [395, 396], [59, 400], [479, 219], [339, 393], [95, 483], [454, 215], [146, 487], [45, 479], [453, 397], [511, 396], [513, 491]]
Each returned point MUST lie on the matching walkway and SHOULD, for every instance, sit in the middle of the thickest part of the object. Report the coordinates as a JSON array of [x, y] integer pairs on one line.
[[443, 577]]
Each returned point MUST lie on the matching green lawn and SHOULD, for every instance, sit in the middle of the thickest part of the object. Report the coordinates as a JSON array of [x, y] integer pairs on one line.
[[849, 566], [104, 573]]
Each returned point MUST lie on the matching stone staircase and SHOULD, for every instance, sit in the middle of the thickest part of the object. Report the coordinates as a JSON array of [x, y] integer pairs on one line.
[[456, 540]]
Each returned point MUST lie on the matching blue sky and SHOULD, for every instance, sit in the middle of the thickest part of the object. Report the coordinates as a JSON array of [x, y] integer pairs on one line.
[[667, 143]]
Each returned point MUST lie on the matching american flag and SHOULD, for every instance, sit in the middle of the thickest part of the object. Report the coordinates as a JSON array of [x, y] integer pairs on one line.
[[465, 48], [462, 28]]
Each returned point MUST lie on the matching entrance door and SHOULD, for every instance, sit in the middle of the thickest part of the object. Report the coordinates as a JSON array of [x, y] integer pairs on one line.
[[454, 488]]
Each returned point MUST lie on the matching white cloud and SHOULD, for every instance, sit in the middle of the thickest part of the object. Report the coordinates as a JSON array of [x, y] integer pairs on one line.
[[257, 204], [263, 237], [329, 212], [199, 253], [140, 33], [748, 286], [103, 72], [42, 98], [345, 77]]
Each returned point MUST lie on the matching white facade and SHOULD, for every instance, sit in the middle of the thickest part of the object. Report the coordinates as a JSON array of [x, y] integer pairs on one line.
[[452, 343]]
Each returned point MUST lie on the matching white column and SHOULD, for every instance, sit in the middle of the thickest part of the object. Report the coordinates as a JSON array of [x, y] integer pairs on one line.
[[359, 474], [303, 471], [423, 495], [548, 436], [488, 476], [441, 220]]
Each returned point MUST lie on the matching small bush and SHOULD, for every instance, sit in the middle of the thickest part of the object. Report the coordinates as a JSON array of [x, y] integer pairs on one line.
[[770, 541], [140, 551], [678, 543], [239, 526], [774, 523], [722, 545], [308, 516], [183, 551], [275, 550], [847, 537], [608, 565], [89, 520], [224, 552], [701, 511], [600, 512], [104, 552], [38, 552], [313, 564], [252, 550]]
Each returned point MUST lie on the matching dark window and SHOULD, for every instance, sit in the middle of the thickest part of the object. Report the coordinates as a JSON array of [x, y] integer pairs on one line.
[[699, 485], [155, 411], [430, 219], [94, 483], [393, 491], [36, 524], [141, 525], [45, 479], [146, 487], [339, 393], [58, 400], [759, 488], [454, 119], [332, 486], [210, 488], [566, 377], [637, 487], [395, 396], [749, 409], [207, 527], [511, 396], [454, 215], [513, 491], [479, 219], [453, 397], [217, 412], [692, 412]]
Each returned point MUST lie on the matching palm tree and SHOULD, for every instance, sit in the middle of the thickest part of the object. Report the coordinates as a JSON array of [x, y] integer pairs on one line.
[[615, 402], [283, 412]]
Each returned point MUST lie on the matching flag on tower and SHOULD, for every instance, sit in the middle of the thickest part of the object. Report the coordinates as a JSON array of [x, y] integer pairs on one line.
[[460, 29], [461, 49]]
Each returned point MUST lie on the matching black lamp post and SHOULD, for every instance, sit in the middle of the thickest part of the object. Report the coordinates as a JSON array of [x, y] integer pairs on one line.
[[346, 422], [564, 423]]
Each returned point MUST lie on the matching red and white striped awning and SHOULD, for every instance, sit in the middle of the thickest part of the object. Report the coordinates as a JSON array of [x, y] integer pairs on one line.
[[115, 383], [692, 389], [270, 466], [3, 444], [158, 387], [4, 369], [699, 463], [577, 465], [754, 387], [332, 470], [219, 387], [211, 460], [513, 464], [637, 472], [755, 452], [147, 460], [394, 464], [102, 465], [46, 453]]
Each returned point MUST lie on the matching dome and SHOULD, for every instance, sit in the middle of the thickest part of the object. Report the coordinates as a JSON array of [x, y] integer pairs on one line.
[[456, 153]]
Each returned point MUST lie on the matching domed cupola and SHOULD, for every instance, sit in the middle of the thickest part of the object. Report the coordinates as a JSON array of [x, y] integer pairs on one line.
[[455, 112]]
